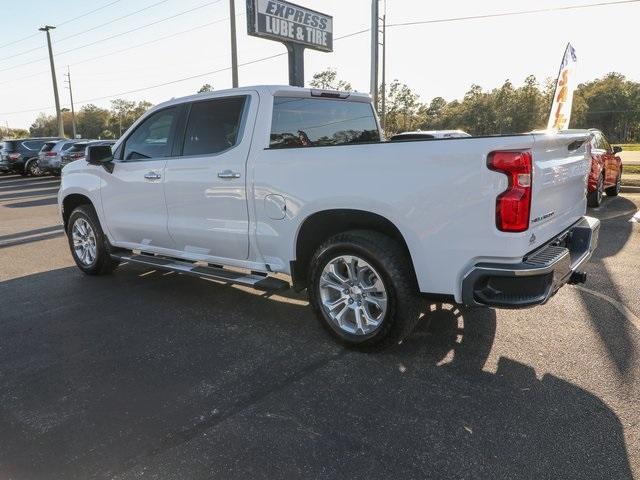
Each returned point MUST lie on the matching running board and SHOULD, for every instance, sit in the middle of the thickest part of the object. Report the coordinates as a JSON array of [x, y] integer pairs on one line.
[[258, 281]]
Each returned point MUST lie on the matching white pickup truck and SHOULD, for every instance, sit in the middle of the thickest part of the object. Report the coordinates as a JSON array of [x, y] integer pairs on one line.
[[239, 185]]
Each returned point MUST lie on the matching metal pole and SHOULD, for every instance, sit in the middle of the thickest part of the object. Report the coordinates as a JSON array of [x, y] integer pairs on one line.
[[234, 46], [374, 52], [73, 112], [46, 29], [296, 64], [384, 68]]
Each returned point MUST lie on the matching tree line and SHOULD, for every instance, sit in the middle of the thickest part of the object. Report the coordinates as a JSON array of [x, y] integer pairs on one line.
[[611, 104]]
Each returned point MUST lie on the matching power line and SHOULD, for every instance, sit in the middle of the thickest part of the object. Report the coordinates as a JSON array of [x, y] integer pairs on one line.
[[184, 12], [115, 52], [24, 52], [511, 14], [184, 79], [61, 23]]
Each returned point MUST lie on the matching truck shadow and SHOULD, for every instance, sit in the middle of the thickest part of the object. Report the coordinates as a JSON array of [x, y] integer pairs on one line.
[[178, 378], [615, 233]]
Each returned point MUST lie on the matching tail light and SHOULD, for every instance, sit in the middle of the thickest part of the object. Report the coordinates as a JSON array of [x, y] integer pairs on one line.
[[513, 206], [77, 155], [14, 156], [50, 154]]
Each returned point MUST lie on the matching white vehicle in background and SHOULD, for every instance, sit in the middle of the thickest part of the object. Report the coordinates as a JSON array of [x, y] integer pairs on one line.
[[279, 179], [424, 134]]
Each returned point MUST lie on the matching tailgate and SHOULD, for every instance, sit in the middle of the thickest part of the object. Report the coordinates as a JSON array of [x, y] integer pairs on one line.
[[561, 164]]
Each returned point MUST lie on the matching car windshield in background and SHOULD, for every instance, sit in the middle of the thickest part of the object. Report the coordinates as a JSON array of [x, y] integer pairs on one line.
[[8, 145], [306, 122], [78, 147]]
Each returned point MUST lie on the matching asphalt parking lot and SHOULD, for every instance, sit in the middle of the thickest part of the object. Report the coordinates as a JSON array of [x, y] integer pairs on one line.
[[144, 374]]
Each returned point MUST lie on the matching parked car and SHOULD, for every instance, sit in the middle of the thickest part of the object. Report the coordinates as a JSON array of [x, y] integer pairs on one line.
[[21, 155], [77, 150], [50, 155], [606, 169], [422, 134], [292, 180]]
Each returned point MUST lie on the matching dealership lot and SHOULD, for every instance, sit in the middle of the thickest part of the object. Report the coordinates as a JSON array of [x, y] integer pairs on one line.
[[156, 375]]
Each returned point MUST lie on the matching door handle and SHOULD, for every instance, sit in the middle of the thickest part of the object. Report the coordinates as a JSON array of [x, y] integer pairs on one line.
[[228, 174], [152, 176]]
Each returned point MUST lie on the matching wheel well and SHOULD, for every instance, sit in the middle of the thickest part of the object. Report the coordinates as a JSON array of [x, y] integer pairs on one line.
[[320, 226], [70, 203]]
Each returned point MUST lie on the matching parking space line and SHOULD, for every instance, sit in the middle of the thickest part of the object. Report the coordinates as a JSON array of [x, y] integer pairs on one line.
[[622, 308]]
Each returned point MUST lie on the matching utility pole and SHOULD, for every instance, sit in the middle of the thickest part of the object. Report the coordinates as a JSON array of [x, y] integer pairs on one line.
[[383, 86], [73, 112], [374, 52], [234, 46], [46, 29]]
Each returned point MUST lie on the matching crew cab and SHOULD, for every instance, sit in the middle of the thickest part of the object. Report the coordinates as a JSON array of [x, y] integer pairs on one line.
[[240, 185]]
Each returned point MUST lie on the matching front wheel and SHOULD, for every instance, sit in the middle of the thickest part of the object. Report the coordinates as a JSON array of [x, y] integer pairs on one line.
[[87, 242], [363, 290]]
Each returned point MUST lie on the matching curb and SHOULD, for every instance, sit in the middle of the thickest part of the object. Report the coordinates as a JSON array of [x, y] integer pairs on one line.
[[629, 189]]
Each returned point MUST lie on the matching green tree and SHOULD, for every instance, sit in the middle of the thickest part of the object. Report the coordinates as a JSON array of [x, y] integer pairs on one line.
[[328, 80], [44, 126], [207, 87], [124, 113], [404, 112], [93, 122]]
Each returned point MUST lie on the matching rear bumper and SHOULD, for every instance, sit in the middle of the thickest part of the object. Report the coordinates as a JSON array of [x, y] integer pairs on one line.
[[540, 274]]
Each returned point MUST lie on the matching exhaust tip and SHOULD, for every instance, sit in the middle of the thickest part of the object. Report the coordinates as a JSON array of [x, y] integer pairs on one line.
[[578, 277]]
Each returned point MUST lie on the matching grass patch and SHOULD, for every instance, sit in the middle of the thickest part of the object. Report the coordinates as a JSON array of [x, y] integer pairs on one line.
[[633, 169], [630, 147]]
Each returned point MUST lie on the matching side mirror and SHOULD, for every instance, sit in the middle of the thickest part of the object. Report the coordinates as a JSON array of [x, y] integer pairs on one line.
[[99, 155], [617, 149]]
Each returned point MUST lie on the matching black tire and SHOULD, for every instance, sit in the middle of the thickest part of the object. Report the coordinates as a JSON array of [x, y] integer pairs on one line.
[[102, 264], [393, 265], [31, 167], [594, 199], [615, 190]]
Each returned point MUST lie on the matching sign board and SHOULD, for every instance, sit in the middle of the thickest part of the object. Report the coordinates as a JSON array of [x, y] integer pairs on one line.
[[290, 23]]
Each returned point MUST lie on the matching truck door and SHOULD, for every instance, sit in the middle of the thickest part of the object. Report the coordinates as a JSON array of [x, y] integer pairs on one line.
[[205, 183], [133, 193]]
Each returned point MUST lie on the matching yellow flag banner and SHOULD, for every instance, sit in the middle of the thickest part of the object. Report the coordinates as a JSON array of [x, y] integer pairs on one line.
[[563, 96]]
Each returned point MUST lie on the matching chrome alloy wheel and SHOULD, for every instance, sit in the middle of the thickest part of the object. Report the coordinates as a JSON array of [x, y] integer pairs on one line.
[[353, 295], [84, 241]]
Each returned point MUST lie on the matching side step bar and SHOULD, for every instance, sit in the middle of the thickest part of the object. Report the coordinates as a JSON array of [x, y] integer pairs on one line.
[[255, 280]]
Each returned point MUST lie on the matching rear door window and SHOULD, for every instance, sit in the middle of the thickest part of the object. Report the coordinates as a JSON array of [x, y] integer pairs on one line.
[[309, 122], [213, 126]]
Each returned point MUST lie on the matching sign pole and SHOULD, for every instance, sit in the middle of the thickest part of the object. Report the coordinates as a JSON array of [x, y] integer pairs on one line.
[[296, 64], [297, 27]]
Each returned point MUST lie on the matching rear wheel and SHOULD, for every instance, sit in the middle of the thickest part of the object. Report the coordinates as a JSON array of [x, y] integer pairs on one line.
[[363, 290], [88, 244], [594, 199], [615, 190], [32, 168]]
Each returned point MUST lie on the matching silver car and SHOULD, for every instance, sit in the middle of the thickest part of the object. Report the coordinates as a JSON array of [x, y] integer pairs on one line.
[[51, 153]]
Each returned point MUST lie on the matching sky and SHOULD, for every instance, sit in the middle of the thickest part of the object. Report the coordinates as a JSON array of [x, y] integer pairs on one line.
[[437, 59]]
